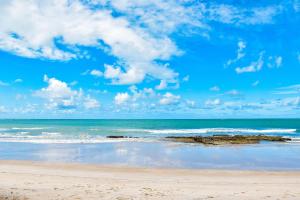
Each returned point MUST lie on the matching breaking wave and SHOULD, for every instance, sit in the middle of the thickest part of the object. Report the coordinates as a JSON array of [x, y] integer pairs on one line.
[[71, 141], [209, 130]]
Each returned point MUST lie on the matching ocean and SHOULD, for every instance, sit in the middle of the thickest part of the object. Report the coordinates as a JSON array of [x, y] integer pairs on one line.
[[85, 141]]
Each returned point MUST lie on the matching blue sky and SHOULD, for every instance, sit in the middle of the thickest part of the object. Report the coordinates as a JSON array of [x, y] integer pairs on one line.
[[149, 59]]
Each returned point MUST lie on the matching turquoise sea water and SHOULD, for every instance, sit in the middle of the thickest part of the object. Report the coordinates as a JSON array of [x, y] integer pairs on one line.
[[95, 131], [85, 141]]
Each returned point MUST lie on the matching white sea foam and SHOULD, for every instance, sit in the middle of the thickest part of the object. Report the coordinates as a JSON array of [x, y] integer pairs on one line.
[[51, 133], [24, 132], [72, 141], [213, 130], [28, 135], [28, 128], [296, 140], [60, 137]]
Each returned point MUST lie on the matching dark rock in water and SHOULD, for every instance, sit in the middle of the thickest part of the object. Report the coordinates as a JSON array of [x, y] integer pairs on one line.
[[118, 136], [115, 136], [228, 139]]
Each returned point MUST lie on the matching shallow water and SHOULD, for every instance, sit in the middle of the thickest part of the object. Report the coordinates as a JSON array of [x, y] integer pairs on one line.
[[85, 141], [160, 154]]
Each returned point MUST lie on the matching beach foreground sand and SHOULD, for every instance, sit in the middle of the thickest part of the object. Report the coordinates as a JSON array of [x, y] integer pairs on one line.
[[43, 181]]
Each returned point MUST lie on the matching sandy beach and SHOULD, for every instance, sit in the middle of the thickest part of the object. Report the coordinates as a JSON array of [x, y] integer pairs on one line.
[[37, 180]]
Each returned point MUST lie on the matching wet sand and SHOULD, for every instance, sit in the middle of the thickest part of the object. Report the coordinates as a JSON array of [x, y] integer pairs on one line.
[[39, 180]]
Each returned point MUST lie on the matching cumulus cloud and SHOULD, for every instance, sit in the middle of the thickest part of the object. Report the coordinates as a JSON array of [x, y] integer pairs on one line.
[[169, 99], [146, 93], [56, 89], [112, 72], [90, 103], [134, 97], [162, 85], [122, 98], [52, 23], [60, 96], [136, 33], [96, 73]]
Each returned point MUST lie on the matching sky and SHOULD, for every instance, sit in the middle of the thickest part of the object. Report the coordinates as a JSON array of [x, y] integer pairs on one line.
[[149, 59]]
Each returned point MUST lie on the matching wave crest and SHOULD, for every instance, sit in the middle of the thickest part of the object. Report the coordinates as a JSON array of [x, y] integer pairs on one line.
[[211, 130]]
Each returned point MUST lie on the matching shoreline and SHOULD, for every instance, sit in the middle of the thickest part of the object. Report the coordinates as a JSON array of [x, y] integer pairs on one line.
[[44, 180], [137, 168]]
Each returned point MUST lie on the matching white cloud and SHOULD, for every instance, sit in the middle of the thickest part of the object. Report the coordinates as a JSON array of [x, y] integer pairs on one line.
[[121, 98], [229, 14], [52, 23], [56, 89], [90, 103], [162, 85], [136, 33], [241, 45], [214, 88], [146, 93], [233, 92], [253, 67], [169, 99], [60, 96], [135, 98], [291, 89], [213, 102], [191, 103], [270, 107], [28, 108], [275, 61], [112, 72], [293, 101], [96, 73]]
